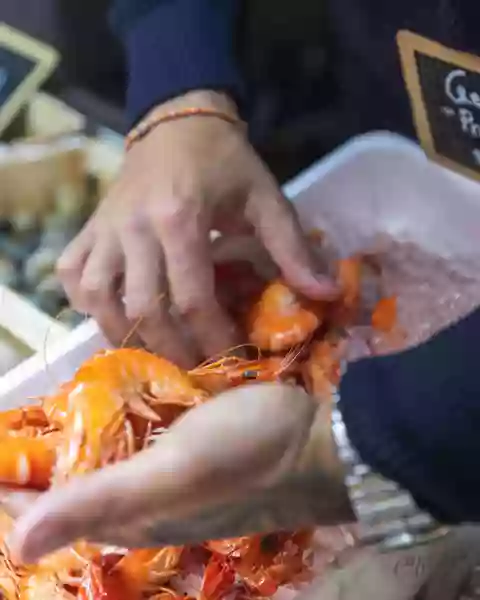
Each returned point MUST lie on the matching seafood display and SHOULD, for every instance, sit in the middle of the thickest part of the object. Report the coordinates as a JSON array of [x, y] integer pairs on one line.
[[120, 400], [46, 196]]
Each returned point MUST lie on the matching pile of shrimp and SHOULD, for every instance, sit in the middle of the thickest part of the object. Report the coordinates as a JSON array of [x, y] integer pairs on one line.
[[119, 400]]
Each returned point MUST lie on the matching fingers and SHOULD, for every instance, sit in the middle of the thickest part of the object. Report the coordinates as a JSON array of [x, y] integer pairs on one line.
[[185, 239], [277, 226], [100, 291], [147, 298], [111, 504], [205, 460], [83, 509], [70, 264], [89, 269]]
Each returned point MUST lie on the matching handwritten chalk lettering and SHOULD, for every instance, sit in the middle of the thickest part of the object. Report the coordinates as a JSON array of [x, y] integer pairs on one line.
[[3, 78], [468, 123], [457, 92], [448, 111], [444, 90]]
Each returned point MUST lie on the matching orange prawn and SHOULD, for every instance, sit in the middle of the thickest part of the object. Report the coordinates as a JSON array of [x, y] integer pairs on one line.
[[96, 431], [147, 569], [218, 580], [384, 316], [16, 419], [251, 564], [231, 547], [272, 561], [68, 563], [349, 277], [384, 321], [290, 562], [42, 584], [281, 318], [244, 557], [321, 371], [102, 582], [27, 462], [144, 381]]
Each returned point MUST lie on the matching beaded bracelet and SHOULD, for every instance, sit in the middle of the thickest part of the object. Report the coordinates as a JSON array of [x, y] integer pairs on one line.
[[156, 118]]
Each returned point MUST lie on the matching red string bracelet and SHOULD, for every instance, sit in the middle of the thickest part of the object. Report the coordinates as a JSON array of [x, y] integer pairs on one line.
[[154, 119]]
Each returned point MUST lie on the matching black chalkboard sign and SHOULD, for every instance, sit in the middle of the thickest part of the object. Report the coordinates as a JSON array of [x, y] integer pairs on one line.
[[444, 90], [25, 63]]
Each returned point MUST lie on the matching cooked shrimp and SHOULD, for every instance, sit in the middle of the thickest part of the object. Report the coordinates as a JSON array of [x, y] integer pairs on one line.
[[349, 276], [232, 547], [218, 580], [39, 584], [96, 431], [384, 316], [68, 563], [102, 582], [144, 381], [27, 462], [321, 370], [281, 318], [148, 569], [231, 371], [19, 418]]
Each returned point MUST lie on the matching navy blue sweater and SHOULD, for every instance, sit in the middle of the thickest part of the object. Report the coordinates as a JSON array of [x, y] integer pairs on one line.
[[414, 417], [176, 46]]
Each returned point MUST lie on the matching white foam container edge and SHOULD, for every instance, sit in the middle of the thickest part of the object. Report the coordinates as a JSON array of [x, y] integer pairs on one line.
[[378, 182]]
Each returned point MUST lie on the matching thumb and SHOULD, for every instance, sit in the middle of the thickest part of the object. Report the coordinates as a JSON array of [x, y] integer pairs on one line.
[[277, 226], [205, 459], [91, 506]]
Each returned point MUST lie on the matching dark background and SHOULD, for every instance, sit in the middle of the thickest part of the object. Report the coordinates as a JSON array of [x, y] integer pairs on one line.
[[91, 73], [282, 52]]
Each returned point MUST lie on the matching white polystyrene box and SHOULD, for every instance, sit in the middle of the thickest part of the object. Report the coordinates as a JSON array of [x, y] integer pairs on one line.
[[377, 183]]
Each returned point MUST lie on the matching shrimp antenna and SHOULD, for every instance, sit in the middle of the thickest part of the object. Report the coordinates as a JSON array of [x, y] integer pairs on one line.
[[295, 352], [221, 356]]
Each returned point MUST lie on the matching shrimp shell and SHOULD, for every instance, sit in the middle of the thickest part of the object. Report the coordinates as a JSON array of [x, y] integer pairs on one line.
[[281, 319]]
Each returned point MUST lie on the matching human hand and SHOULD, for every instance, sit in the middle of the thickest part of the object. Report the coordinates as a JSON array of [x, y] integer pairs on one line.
[[255, 459], [149, 237]]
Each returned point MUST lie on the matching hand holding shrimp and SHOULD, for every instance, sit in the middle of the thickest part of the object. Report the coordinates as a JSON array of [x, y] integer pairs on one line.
[[205, 479], [141, 454]]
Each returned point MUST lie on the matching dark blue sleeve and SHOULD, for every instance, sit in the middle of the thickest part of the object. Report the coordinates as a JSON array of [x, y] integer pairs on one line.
[[175, 46], [415, 418]]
